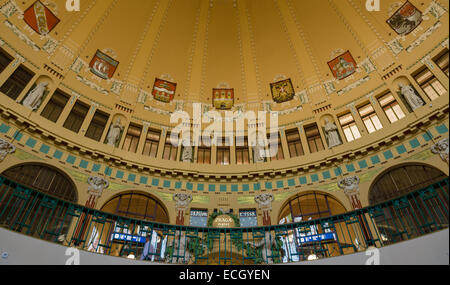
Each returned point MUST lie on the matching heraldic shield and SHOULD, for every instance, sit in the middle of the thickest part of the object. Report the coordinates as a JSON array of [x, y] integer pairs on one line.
[[223, 99], [406, 19], [343, 66], [103, 65], [164, 91], [40, 18], [282, 91]]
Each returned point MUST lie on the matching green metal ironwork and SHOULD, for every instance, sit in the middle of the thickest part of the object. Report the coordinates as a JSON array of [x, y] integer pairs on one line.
[[42, 216]]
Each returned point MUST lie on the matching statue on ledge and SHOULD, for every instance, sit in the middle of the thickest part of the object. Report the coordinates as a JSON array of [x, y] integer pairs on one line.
[[34, 98]]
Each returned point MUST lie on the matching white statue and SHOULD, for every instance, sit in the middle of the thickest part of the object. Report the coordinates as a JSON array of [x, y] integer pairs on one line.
[[411, 97], [258, 153], [331, 132], [34, 98], [5, 149], [97, 185], [114, 133], [441, 148], [265, 201], [266, 243], [187, 154]]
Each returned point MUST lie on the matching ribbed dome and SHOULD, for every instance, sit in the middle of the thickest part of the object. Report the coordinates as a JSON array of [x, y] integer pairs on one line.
[[225, 44]]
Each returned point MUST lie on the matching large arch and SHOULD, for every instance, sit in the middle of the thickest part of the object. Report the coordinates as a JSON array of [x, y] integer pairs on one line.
[[120, 204], [45, 211], [312, 208], [320, 213], [402, 179], [45, 178], [409, 200], [145, 210]]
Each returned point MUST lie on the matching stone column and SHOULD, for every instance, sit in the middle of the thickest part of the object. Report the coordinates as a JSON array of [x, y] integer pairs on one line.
[[441, 148], [8, 148], [350, 185], [182, 202], [265, 205]]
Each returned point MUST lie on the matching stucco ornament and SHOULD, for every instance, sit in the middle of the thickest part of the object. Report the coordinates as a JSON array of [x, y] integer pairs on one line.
[[182, 200], [34, 98], [5, 149], [97, 185], [350, 185], [441, 148], [265, 201]]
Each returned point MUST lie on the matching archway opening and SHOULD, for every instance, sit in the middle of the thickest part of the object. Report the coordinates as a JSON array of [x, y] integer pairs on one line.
[[129, 237], [311, 231], [37, 199], [408, 201]]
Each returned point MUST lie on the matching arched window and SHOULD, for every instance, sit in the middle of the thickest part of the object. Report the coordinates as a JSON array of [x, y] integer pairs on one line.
[[411, 206], [137, 206], [315, 238], [35, 199], [402, 180], [45, 179], [311, 206]]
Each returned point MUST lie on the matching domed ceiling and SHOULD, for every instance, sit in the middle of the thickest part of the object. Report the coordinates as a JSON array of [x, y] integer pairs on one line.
[[163, 54]]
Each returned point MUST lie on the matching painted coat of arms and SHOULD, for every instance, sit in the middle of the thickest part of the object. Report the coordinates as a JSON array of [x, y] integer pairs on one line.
[[103, 65], [40, 18], [406, 19], [343, 66], [282, 91], [164, 91], [223, 99]]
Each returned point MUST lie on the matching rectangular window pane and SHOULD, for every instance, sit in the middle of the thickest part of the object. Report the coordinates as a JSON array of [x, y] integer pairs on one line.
[[16, 83], [97, 126], [152, 143], [76, 117], [5, 60], [132, 138], [429, 84], [294, 143], [55, 106], [314, 139]]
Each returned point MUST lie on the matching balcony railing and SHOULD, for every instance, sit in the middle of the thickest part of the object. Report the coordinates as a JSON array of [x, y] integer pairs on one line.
[[39, 215]]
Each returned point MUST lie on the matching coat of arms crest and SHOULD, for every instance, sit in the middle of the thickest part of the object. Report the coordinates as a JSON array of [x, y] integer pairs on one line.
[[406, 19], [282, 91], [343, 66], [40, 18], [223, 99], [164, 91], [103, 65]]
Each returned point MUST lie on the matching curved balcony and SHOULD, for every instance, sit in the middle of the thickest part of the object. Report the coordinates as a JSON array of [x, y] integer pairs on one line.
[[33, 213]]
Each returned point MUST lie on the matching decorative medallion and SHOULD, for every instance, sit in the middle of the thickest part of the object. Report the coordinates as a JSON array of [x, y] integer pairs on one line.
[[343, 65], [282, 91], [103, 65], [164, 91], [223, 98], [406, 19], [40, 18]]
